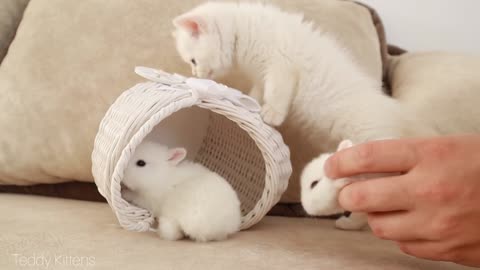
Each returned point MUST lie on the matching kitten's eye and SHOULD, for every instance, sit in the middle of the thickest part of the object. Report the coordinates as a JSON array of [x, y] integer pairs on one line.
[[141, 163], [193, 61], [314, 184]]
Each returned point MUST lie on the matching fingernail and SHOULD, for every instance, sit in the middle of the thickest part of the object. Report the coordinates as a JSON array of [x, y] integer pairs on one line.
[[328, 168], [343, 199]]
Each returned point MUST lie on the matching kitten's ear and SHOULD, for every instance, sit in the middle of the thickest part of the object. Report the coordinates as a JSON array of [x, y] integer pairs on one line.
[[344, 145], [193, 24], [176, 155]]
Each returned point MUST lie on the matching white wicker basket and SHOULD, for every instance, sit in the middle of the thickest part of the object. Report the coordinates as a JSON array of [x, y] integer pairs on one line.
[[236, 144]]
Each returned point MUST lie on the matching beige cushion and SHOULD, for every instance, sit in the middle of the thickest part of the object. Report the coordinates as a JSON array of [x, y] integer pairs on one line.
[[71, 59], [74, 229], [11, 12], [442, 88]]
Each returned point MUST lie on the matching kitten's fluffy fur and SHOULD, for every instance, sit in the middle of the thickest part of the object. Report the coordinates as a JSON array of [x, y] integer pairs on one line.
[[296, 70], [185, 197]]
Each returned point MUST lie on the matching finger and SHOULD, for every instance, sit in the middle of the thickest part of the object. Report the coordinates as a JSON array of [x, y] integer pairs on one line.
[[442, 251], [397, 226], [468, 256], [378, 195], [387, 156], [425, 249]]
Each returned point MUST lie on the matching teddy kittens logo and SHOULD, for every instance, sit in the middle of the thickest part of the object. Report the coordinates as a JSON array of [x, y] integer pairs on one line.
[[46, 261]]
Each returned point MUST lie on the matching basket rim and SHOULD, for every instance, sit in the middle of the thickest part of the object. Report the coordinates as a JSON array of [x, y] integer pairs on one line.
[[240, 116], [129, 149]]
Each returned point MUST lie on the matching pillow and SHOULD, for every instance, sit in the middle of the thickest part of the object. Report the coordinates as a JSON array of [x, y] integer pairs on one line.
[[11, 12], [442, 88], [71, 59]]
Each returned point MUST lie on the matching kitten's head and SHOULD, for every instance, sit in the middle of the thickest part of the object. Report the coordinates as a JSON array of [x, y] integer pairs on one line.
[[202, 44]]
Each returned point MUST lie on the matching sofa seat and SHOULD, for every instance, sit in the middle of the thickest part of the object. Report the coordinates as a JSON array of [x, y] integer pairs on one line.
[[69, 234]]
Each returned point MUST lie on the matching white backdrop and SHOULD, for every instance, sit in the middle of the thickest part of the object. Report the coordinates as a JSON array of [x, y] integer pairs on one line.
[[418, 25]]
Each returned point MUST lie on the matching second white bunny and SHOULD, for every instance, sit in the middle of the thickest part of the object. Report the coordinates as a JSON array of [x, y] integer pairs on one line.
[[320, 194], [186, 198]]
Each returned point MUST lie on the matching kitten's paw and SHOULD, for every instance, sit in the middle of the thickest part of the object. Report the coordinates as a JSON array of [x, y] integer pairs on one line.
[[272, 116], [169, 230], [350, 224], [257, 94]]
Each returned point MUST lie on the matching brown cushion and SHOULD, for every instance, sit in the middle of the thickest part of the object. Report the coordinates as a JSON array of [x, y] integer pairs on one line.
[[71, 59], [68, 190], [11, 12], [89, 192]]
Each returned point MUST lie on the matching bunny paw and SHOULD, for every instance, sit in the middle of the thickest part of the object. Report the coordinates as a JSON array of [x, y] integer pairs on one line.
[[169, 230]]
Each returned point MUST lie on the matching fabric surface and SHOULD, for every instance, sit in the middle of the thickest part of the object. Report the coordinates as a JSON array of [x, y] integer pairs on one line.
[[69, 63], [443, 89], [67, 229], [11, 12]]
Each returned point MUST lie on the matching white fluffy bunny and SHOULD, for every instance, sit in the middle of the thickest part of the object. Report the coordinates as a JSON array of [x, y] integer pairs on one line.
[[186, 198], [319, 194]]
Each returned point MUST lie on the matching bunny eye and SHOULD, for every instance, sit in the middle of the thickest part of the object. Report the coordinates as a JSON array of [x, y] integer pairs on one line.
[[193, 61], [314, 184], [141, 163]]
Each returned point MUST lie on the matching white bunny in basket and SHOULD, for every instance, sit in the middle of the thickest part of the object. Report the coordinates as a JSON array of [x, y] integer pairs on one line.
[[186, 198], [319, 194]]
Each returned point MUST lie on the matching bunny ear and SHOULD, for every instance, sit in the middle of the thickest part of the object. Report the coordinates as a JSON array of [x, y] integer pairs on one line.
[[344, 145], [193, 24], [176, 155]]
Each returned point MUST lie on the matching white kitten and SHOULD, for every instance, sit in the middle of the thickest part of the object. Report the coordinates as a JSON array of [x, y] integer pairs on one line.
[[319, 194], [296, 70], [187, 198]]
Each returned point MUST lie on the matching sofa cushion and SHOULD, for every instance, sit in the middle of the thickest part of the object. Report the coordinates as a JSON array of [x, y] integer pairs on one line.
[[443, 89], [11, 12], [86, 233], [71, 59]]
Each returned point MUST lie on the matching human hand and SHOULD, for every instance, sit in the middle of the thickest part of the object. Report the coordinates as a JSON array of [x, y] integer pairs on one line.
[[432, 210]]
